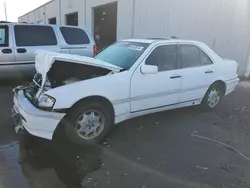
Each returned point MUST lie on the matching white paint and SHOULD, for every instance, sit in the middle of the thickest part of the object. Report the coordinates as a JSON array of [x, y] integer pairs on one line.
[[131, 92]]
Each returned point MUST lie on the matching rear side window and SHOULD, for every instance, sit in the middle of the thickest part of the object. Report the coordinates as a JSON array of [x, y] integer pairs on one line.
[[74, 35], [4, 39], [189, 56], [32, 35], [205, 59]]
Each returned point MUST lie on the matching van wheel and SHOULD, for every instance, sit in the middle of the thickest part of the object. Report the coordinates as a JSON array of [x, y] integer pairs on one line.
[[88, 123], [213, 97]]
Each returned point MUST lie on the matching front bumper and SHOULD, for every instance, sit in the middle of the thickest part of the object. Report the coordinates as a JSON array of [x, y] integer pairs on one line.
[[37, 122]]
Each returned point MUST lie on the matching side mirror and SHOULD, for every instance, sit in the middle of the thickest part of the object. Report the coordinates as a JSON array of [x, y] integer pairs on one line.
[[149, 69]]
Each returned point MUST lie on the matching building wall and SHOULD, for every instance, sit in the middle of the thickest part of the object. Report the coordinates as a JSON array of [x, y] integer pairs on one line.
[[125, 20], [71, 6], [90, 4], [40, 15], [52, 11], [124, 17], [221, 24], [23, 18], [31, 17]]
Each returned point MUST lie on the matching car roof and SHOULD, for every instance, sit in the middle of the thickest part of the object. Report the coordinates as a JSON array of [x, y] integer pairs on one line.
[[160, 40], [148, 41]]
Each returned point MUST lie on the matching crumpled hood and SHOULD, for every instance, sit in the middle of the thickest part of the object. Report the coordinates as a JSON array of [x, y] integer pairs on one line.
[[45, 59]]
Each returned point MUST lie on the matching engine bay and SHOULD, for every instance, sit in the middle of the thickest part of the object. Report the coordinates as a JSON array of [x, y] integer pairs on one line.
[[63, 73]]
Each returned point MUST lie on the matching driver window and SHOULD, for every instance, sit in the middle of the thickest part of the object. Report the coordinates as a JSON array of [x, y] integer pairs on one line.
[[164, 57]]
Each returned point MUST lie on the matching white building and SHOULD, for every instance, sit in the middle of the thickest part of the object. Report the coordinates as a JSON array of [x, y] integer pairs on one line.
[[224, 25]]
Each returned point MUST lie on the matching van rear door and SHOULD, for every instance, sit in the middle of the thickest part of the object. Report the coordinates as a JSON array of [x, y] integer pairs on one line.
[[77, 41], [28, 39]]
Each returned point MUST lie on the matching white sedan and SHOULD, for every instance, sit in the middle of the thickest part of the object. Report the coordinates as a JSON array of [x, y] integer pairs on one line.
[[131, 78]]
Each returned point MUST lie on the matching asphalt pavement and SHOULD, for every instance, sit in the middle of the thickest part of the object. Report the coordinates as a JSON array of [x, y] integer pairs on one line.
[[185, 148]]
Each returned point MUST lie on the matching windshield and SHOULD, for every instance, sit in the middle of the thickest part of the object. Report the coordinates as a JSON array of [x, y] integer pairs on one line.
[[123, 54]]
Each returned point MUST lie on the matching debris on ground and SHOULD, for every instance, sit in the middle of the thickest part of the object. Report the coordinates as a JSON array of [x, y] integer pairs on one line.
[[244, 108], [202, 168], [223, 144], [105, 143], [140, 128]]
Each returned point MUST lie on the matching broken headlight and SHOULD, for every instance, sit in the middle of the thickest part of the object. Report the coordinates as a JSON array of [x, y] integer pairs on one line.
[[46, 101]]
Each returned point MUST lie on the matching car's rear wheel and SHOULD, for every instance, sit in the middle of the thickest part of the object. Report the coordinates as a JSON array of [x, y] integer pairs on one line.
[[213, 97], [88, 123]]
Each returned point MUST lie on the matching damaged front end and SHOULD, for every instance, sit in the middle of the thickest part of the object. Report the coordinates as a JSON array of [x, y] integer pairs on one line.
[[56, 70], [64, 73], [33, 92]]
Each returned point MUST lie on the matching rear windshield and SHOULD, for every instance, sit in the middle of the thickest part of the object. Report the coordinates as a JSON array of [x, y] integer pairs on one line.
[[123, 54], [74, 35]]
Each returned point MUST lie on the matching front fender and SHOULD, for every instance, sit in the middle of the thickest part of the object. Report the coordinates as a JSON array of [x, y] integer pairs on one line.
[[112, 87]]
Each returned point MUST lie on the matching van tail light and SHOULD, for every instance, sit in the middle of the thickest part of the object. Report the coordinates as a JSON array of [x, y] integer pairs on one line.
[[95, 50]]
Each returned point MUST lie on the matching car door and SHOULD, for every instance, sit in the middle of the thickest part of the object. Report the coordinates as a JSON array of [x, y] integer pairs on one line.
[[197, 70], [6, 46], [77, 41], [149, 91], [29, 39]]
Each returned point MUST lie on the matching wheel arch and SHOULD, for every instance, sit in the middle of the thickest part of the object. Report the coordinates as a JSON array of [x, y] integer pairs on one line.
[[222, 85], [101, 99], [88, 99]]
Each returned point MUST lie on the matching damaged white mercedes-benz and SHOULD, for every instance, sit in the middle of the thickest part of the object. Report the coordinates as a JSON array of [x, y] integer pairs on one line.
[[85, 96]]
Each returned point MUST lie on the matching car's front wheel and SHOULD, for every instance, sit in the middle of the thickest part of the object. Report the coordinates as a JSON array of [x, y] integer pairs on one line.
[[212, 97], [88, 123]]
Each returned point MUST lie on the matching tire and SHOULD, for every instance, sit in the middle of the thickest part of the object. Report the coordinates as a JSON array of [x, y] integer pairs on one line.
[[207, 103], [77, 114]]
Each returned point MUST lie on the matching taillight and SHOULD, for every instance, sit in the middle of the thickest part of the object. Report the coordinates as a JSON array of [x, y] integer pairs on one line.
[[95, 50]]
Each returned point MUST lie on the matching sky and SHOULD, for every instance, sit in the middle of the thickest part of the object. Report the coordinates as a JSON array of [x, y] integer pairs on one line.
[[16, 8]]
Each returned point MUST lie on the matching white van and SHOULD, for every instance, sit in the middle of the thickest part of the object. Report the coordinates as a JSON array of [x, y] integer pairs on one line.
[[19, 42]]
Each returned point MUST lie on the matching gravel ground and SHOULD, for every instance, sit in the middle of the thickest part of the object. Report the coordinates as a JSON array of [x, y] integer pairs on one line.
[[179, 148]]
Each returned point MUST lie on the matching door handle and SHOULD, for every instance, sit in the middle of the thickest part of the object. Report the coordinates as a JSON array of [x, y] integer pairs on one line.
[[209, 72], [7, 51], [175, 76], [21, 50]]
